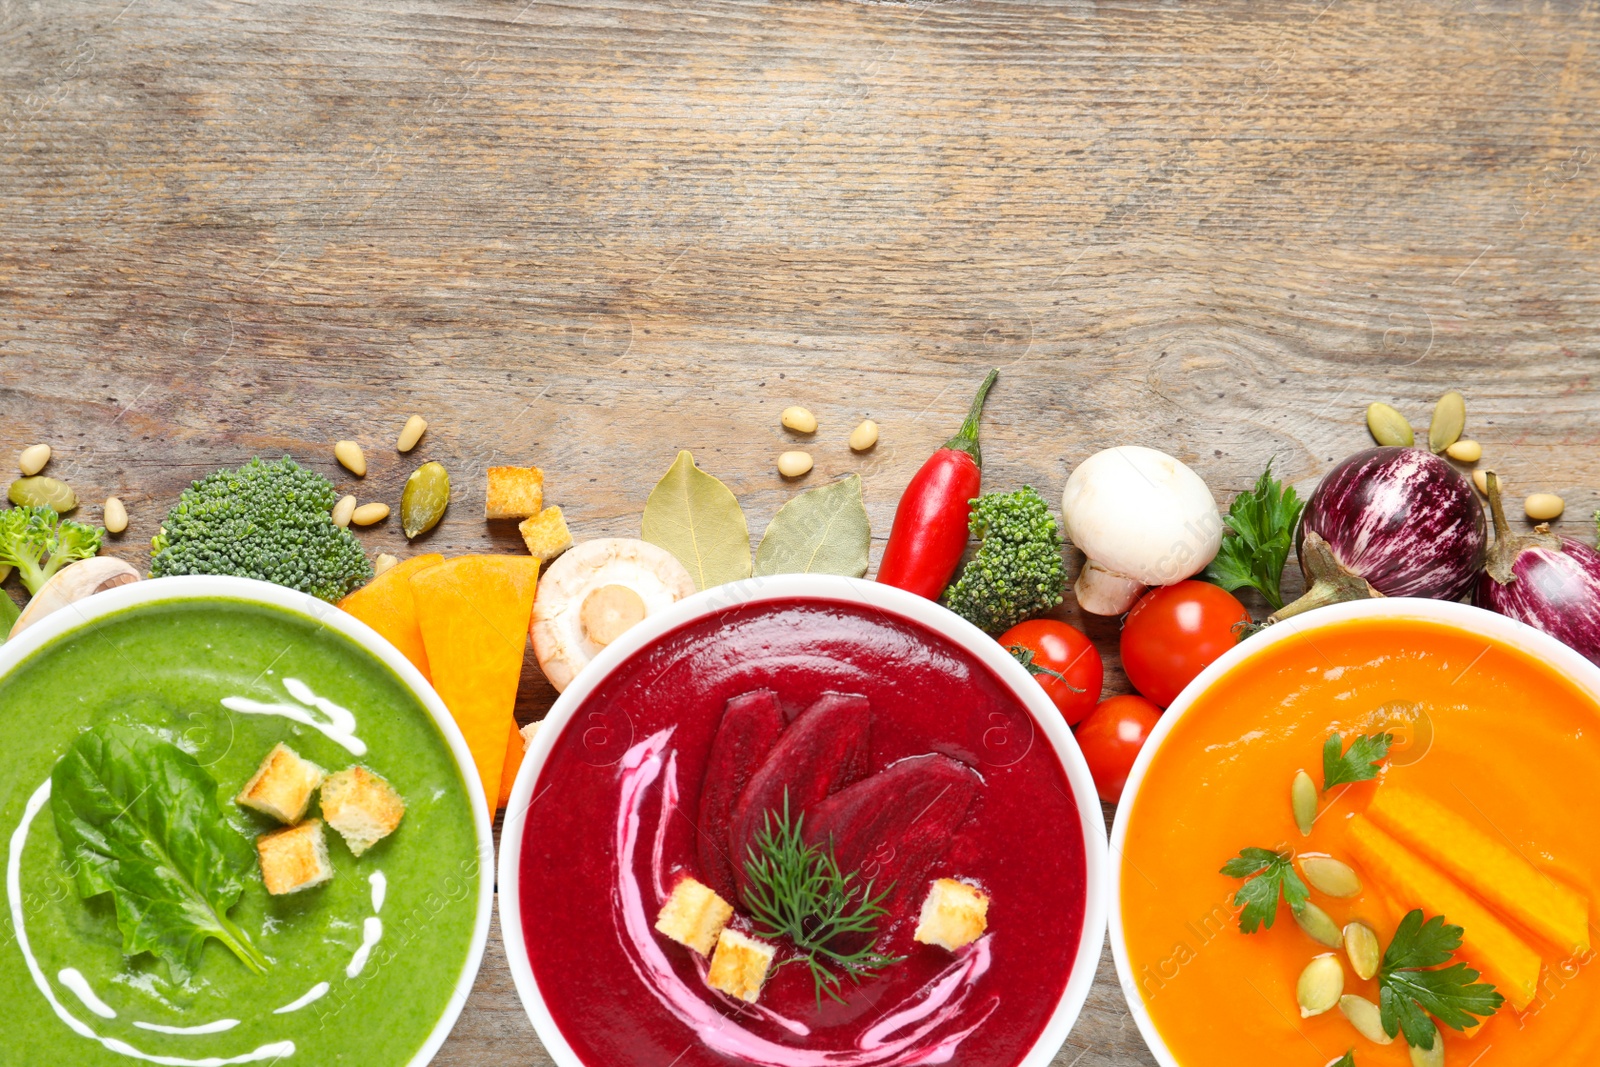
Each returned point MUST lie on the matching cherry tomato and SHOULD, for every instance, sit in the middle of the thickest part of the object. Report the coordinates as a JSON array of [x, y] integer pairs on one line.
[[1111, 738], [1062, 660], [1175, 632]]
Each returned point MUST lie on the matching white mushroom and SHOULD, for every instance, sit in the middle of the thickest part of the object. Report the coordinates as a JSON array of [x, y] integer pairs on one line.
[[1143, 519], [590, 595], [71, 584]]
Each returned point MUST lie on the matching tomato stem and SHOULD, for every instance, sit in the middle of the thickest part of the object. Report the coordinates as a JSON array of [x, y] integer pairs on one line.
[[1024, 655]]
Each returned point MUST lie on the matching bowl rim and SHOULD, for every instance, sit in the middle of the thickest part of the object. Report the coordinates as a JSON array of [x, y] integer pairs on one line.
[[1565, 661], [814, 587], [62, 622]]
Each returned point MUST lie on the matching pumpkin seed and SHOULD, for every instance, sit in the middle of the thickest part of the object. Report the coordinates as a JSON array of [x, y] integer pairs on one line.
[[426, 495], [1389, 427], [1361, 945], [343, 510], [864, 436], [1303, 797], [1330, 876], [1449, 419], [1465, 451], [350, 456], [42, 492], [383, 563], [411, 433], [1318, 925], [1435, 1058], [799, 420], [1543, 507], [1320, 986], [1365, 1017], [114, 515], [33, 459]]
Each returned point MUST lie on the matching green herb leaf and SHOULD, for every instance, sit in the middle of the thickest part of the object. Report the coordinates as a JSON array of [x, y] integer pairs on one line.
[[140, 819], [1261, 524], [1359, 764], [1347, 1060], [697, 519], [1413, 983], [820, 531], [1271, 877], [797, 891], [8, 612]]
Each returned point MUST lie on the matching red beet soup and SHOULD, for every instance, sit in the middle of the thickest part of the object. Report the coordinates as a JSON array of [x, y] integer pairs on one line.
[[920, 762]]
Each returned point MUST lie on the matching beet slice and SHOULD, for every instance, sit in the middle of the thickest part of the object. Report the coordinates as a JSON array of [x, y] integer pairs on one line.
[[822, 751], [749, 729], [894, 826]]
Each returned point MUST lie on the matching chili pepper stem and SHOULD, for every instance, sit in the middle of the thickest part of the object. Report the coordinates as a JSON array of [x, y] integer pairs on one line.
[[966, 439]]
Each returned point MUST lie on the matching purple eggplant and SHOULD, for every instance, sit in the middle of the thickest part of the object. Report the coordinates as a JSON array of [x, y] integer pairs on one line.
[[1390, 522], [1552, 583]]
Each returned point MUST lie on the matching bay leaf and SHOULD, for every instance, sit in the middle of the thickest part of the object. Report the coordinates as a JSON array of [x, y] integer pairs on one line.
[[698, 519], [821, 531]]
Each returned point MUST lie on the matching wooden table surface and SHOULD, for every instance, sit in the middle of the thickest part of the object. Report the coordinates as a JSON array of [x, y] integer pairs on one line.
[[586, 234]]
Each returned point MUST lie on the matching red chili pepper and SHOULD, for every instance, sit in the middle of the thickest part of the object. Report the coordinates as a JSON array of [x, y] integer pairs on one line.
[[930, 525]]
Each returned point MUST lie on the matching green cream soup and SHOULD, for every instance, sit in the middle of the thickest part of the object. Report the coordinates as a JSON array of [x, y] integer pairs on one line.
[[361, 969]]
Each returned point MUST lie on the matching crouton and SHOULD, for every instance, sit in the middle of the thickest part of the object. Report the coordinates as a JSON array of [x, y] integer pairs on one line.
[[282, 787], [529, 732], [363, 807], [739, 967], [693, 916], [954, 915], [294, 859], [546, 534], [514, 492]]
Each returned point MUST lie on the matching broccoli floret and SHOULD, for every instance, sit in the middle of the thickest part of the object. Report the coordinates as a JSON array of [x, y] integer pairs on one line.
[[1017, 572], [38, 542], [270, 521]]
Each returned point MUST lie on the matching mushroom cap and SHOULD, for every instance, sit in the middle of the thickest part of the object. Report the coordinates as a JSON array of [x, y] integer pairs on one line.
[[560, 642], [1142, 514]]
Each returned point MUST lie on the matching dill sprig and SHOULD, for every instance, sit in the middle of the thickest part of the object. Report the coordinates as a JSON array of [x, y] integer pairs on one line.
[[797, 891]]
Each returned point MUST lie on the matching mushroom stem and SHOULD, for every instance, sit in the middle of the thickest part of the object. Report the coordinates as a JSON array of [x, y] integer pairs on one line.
[[608, 611], [1105, 592], [1331, 583]]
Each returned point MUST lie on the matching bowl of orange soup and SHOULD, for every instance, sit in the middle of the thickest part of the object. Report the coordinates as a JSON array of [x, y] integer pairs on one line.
[[1446, 815]]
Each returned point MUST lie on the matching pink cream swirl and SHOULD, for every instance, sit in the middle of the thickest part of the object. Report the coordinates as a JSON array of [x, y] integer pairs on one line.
[[923, 1029]]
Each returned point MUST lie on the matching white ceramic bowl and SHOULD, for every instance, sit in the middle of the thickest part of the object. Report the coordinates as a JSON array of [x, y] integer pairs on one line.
[[197, 587], [1535, 643], [800, 587]]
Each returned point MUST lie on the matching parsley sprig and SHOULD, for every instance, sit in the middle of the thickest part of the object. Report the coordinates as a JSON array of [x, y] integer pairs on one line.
[[1357, 764], [1271, 877], [1347, 1060], [1413, 983], [797, 891], [1261, 524]]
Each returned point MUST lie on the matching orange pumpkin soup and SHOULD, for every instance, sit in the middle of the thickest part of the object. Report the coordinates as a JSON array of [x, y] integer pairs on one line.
[[1490, 821]]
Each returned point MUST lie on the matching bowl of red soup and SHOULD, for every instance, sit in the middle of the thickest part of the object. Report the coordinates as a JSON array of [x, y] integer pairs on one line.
[[1366, 837], [802, 821]]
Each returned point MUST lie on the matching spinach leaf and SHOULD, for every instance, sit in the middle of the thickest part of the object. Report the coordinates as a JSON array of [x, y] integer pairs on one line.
[[138, 818]]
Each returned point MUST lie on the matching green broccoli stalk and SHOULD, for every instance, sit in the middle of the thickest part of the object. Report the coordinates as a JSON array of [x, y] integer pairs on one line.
[[38, 543], [271, 521], [1017, 572]]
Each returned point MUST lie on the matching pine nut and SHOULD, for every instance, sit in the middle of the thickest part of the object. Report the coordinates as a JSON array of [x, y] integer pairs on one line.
[[383, 563], [411, 433], [1543, 507], [799, 420], [342, 511], [1465, 451], [33, 459], [1480, 478], [864, 436], [350, 456], [367, 514], [794, 464], [114, 515]]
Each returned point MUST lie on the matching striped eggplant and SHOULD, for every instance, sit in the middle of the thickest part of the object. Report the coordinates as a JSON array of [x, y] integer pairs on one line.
[[1390, 522], [1551, 583]]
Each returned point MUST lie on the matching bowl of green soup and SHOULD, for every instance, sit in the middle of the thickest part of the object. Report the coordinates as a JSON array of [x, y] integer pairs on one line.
[[239, 827]]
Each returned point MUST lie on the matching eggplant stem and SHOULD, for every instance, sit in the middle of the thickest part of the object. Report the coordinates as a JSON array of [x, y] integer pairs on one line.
[[1331, 581], [1507, 545]]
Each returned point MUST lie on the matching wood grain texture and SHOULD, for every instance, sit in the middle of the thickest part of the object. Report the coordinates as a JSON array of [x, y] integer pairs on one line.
[[587, 234]]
